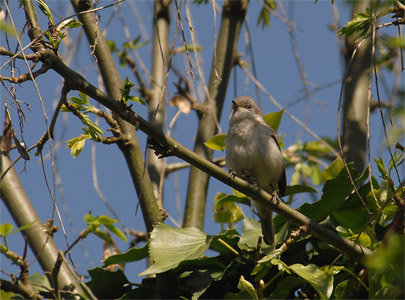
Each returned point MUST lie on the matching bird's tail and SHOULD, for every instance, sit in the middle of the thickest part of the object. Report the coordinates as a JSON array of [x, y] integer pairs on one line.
[[266, 220]]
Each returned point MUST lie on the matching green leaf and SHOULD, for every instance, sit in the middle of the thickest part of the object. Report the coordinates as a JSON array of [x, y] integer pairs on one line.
[[169, 246], [217, 142], [76, 144], [7, 29], [45, 9], [245, 285], [133, 254], [40, 282], [274, 119], [108, 285], [225, 242], [69, 23], [381, 167], [116, 231], [334, 193], [226, 211], [320, 280], [264, 14], [359, 25], [286, 285], [333, 170], [316, 146], [5, 229], [297, 189], [105, 220], [236, 199]]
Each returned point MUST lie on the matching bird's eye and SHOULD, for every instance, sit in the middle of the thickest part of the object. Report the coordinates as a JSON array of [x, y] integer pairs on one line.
[[248, 106]]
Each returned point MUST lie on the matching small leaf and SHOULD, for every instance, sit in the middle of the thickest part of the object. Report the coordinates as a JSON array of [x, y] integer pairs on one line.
[[69, 23], [45, 9], [274, 119], [105, 220], [217, 142], [245, 285], [169, 246], [116, 231], [226, 211], [133, 254], [5, 229], [381, 167], [359, 25], [236, 199], [76, 144]]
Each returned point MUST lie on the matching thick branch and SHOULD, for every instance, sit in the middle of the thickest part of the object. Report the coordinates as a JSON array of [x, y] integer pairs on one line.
[[130, 146], [23, 213], [356, 93], [157, 102]]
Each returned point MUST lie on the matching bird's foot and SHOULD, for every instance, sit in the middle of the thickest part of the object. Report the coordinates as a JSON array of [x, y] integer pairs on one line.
[[232, 174], [249, 177]]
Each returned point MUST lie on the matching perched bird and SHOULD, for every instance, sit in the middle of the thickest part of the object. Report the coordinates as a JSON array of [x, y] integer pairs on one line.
[[253, 153]]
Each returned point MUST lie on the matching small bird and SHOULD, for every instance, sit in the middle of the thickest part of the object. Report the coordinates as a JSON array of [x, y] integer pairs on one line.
[[253, 153]]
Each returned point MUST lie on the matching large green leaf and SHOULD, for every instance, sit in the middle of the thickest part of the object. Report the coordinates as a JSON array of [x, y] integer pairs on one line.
[[334, 194], [319, 279], [169, 246]]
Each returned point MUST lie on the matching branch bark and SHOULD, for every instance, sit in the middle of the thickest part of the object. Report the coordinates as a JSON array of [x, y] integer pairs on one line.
[[233, 15], [130, 148], [23, 213], [157, 102]]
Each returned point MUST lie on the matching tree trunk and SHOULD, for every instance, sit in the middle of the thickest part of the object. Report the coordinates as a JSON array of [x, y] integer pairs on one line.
[[233, 15], [354, 131]]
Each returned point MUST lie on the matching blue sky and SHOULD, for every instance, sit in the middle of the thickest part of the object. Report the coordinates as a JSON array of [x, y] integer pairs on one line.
[[277, 70]]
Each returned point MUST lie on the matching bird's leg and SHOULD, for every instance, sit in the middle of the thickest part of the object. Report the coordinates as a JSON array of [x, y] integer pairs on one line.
[[274, 195]]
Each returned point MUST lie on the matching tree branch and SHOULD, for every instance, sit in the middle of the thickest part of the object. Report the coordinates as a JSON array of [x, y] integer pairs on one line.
[[130, 148]]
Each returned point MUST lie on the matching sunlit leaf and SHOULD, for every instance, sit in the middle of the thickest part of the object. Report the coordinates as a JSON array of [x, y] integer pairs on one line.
[[226, 211], [274, 119], [333, 170], [320, 280], [217, 142], [76, 144], [245, 285], [116, 231], [5, 229], [169, 246]]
